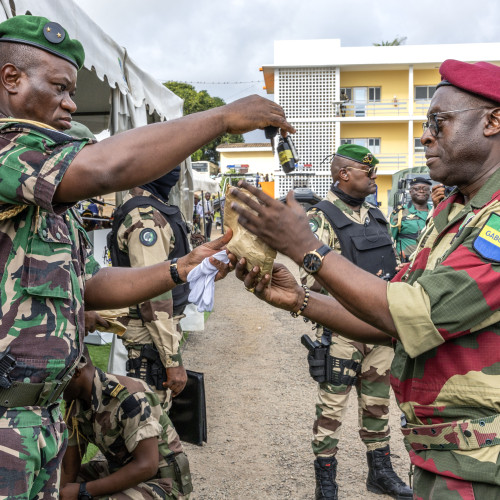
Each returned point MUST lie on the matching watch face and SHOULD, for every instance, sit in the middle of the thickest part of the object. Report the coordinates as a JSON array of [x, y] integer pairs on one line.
[[311, 262]]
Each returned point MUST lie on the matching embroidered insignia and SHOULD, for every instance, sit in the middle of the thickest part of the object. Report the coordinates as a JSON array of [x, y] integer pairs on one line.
[[148, 237], [487, 242], [368, 158]]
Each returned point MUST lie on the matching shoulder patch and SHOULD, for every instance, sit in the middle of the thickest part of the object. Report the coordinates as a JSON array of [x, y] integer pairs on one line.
[[487, 242], [148, 237]]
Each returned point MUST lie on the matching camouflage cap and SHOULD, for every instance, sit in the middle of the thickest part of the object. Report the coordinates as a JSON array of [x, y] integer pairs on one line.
[[357, 153], [43, 34]]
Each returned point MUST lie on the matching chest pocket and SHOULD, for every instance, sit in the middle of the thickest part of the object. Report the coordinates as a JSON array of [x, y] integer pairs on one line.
[[48, 260]]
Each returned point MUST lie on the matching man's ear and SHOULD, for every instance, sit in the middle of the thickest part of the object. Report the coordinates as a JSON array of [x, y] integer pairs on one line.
[[493, 125], [10, 77], [343, 174]]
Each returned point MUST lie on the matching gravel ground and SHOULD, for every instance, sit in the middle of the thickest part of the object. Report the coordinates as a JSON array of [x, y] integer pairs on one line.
[[260, 407]]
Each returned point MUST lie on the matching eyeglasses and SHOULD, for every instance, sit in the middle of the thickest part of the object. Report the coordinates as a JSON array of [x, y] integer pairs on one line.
[[421, 189], [370, 172], [433, 127]]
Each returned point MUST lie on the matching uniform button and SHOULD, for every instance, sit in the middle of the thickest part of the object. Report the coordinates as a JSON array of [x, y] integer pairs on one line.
[[468, 434], [58, 236], [44, 233], [488, 441], [414, 431], [482, 423], [433, 431], [425, 446]]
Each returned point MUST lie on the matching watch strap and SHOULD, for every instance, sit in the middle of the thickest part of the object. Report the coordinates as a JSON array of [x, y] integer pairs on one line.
[[174, 273], [323, 250], [83, 494]]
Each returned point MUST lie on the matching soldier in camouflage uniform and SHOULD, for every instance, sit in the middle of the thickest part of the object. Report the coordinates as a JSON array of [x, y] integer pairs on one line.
[[366, 366], [45, 253], [408, 221], [147, 238], [442, 309], [143, 457]]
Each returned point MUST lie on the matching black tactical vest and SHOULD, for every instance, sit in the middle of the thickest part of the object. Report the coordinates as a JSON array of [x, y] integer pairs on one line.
[[367, 245], [174, 217]]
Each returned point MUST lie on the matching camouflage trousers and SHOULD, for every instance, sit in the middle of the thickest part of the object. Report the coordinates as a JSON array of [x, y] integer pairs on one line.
[[154, 489], [372, 386], [430, 486], [32, 444]]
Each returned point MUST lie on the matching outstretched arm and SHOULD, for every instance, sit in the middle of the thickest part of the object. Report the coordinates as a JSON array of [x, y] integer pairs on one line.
[[144, 154], [115, 287], [284, 292]]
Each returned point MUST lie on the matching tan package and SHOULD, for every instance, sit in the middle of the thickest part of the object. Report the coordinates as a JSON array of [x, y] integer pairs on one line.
[[244, 243], [115, 326]]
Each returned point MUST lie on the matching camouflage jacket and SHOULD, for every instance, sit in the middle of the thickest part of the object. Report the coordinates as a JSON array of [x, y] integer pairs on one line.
[[406, 225], [446, 371], [45, 254], [123, 412], [148, 239]]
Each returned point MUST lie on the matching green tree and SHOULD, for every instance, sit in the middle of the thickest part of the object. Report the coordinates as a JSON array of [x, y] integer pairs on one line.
[[194, 102], [399, 40]]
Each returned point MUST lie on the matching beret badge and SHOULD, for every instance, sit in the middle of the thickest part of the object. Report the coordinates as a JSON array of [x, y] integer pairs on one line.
[[54, 32], [368, 158]]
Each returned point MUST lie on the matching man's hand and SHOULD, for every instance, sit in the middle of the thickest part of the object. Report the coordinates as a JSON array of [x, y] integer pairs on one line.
[[92, 321], [281, 290], [69, 491], [283, 226], [254, 112], [437, 194], [176, 380], [192, 259]]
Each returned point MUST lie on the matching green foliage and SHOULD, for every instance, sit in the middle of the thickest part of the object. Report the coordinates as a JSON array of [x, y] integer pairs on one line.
[[399, 40], [195, 102]]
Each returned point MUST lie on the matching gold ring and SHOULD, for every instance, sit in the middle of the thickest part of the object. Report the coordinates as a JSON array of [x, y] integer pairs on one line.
[[251, 290]]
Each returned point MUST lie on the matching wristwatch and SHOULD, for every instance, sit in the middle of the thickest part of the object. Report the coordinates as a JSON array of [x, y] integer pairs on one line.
[[174, 272], [83, 494], [313, 260]]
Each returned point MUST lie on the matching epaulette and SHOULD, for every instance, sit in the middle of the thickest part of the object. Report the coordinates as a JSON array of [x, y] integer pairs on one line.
[[112, 389]]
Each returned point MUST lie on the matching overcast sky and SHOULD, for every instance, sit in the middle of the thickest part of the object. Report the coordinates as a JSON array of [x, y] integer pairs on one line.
[[217, 41]]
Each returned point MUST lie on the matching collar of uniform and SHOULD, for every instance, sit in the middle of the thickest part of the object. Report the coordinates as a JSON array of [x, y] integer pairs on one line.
[[138, 191], [332, 197], [485, 194]]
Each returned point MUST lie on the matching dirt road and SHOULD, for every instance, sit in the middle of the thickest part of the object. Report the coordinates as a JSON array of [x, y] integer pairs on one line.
[[260, 408]]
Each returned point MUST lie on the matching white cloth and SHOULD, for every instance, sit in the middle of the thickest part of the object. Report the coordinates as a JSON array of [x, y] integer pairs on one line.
[[201, 281]]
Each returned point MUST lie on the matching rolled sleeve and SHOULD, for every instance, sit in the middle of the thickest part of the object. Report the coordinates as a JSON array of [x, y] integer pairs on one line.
[[411, 312]]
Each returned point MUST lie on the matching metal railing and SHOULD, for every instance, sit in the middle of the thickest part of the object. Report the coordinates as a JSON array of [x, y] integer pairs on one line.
[[391, 107]]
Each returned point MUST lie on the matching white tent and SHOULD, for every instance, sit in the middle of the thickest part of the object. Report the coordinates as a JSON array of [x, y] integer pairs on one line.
[[113, 92]]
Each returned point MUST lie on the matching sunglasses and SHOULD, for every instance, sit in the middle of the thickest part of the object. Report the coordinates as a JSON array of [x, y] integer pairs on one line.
[[370, 172], [432, 123]]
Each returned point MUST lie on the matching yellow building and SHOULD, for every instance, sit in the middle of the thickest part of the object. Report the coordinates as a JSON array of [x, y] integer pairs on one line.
[[373, 96]]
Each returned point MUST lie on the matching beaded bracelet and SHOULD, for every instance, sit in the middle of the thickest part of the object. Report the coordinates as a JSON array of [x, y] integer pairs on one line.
[[304, 304]]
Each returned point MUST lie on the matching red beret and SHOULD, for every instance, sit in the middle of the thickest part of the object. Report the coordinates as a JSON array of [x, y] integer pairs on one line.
[[479, 78]]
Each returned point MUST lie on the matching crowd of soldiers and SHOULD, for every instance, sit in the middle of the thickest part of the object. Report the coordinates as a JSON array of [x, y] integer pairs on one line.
[[422, 318]]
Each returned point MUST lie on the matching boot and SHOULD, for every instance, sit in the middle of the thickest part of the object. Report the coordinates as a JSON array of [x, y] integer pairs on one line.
[[325, 470], [381, 476]]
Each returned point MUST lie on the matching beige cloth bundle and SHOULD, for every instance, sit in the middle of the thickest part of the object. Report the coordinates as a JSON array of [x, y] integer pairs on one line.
[[244, 243]]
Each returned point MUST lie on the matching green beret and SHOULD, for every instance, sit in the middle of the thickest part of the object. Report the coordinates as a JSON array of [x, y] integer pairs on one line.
[[43, 34], [357, 153]]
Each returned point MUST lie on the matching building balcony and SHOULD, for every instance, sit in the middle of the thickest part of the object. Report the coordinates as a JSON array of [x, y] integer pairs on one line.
[[387, 108], [391, 163]]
